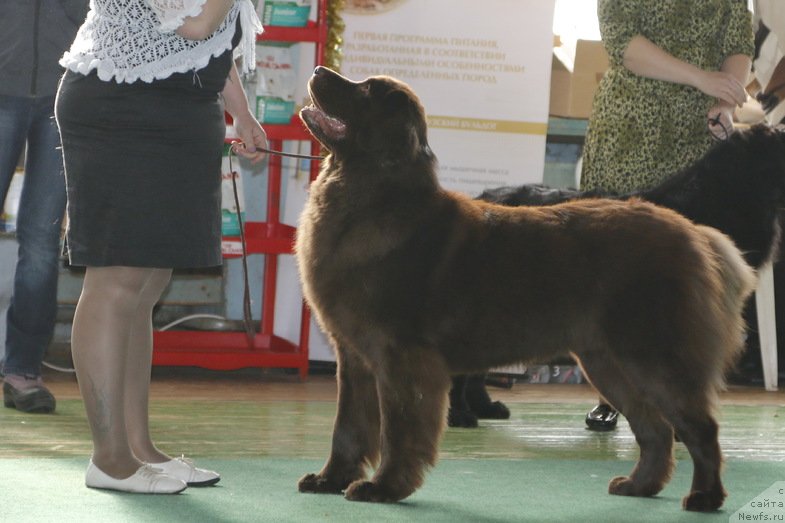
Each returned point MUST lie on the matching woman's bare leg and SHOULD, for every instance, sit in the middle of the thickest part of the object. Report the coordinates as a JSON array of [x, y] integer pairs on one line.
[[137, 372], [102, 329]]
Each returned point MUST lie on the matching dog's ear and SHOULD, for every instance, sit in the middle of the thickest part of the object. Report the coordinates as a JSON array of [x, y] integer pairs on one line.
[[399, 132], [400, 105], [396, 100]]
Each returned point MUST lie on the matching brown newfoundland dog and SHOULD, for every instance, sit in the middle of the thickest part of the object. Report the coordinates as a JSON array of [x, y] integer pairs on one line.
[[408, 280]]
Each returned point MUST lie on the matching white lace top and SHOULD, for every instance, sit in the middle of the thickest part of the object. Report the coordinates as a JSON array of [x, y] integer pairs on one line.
[[129, 40]]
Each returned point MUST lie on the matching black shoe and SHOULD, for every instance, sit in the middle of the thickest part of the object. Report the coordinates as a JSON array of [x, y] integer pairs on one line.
[[33, 399], [602, 418]]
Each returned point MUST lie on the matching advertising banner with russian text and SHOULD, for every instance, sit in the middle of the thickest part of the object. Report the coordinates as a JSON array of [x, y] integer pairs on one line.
[[482, 71]]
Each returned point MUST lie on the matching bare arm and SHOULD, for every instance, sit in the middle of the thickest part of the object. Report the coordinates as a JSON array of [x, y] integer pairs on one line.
[[645, 58], [248, 129], [205, 23]]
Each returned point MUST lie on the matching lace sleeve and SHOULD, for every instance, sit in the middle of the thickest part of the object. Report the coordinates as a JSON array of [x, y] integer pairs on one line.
[[171, 13]]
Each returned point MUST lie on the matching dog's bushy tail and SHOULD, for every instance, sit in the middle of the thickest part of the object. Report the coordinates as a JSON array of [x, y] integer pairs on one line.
[[738, 280]]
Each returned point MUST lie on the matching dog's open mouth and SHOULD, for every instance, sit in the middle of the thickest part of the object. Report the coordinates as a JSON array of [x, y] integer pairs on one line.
[[333, 128]]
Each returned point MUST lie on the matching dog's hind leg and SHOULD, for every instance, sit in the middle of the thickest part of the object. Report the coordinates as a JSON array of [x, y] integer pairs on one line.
[[652, 432], [459, 414], [355, 443], [480, 402], [689, 411], [412, 386]]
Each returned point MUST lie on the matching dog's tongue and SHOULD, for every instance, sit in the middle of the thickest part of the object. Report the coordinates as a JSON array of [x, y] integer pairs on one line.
[[331, 126]]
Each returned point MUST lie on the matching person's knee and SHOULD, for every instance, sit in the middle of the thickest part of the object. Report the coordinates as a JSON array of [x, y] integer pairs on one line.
[[44, 246], [116, 287], [155, 286], [38, 258]]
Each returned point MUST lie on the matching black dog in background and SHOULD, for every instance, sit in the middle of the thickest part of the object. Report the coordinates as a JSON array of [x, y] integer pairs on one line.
[[738, 187]]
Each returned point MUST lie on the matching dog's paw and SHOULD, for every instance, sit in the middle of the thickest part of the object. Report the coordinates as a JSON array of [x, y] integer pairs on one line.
[[624, 486], [461, 418], [317, 483], [621, 486], [363, 490], [698, 501], [495, 410]]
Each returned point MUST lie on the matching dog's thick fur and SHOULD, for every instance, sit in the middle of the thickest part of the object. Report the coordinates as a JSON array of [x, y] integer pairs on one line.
[[738, 187], [408, 280]]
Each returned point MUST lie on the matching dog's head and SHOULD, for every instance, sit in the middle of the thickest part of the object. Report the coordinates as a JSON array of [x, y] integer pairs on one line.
[[379, 118]]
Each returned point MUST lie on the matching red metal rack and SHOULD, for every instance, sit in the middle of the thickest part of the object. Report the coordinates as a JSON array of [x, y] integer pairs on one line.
[[234, 350]]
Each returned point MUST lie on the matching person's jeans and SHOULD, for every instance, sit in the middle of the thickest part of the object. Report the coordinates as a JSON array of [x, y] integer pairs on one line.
[[33, 307]]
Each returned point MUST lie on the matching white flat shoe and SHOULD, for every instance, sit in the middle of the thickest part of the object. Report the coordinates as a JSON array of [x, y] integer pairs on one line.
[[146, 480], [183, 469]]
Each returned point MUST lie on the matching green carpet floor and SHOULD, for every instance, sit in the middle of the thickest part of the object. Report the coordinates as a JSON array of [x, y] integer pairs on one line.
[[251, 490], [540, 465]]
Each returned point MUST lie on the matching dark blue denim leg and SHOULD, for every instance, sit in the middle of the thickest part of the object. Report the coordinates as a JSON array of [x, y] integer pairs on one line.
[[14, 121], [33, 308]]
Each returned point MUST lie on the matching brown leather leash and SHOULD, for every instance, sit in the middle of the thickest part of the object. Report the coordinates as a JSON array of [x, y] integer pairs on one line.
[[277, 153], [250, 330]]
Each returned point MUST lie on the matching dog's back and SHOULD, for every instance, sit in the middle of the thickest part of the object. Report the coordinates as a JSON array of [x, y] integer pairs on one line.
[[738, 187], [570, 272]]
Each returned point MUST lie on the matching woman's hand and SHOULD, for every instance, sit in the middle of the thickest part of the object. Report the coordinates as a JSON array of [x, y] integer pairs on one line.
[[252, 138], [720, 119], [723, 86], [251, 134]]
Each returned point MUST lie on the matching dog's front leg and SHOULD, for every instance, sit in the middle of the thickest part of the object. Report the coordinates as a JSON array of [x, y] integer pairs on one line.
[[412, 385], [356, 431], [459, 414]]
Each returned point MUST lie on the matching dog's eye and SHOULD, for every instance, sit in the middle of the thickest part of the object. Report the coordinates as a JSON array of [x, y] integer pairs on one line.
[[365, 88]]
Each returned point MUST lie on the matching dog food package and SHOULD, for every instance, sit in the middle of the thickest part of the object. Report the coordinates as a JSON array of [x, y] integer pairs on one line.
[[293, 13], [276, 83], [539, 374], [230, 223], [566, 374], [553, 374]]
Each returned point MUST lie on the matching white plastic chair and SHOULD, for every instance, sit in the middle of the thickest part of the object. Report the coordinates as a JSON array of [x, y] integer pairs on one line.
[[767, 326]]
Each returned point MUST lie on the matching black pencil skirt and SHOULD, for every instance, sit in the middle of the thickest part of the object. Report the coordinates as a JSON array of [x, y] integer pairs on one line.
[[143, 169]]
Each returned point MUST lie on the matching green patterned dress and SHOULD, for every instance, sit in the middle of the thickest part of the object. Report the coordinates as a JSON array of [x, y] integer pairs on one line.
[[643, 130]]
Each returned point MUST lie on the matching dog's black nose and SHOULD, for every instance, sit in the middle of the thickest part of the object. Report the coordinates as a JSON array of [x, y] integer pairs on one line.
[[319, 70]]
